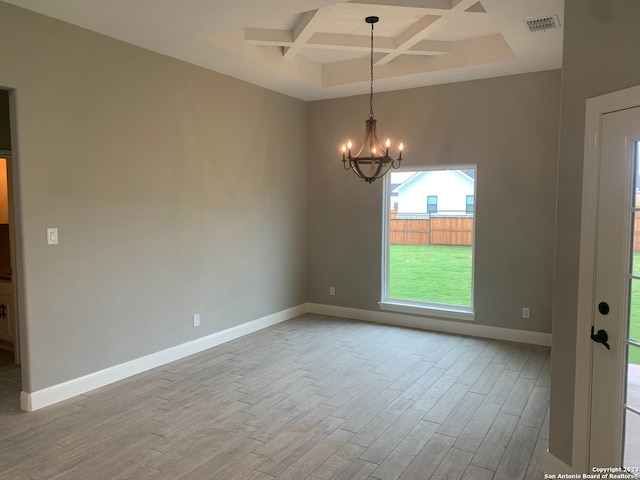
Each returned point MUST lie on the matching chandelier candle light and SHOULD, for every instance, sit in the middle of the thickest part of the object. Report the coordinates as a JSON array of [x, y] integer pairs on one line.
[[379, 160]]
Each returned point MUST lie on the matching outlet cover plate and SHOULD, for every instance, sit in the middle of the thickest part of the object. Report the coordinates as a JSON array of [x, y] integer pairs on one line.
[[52, 236]]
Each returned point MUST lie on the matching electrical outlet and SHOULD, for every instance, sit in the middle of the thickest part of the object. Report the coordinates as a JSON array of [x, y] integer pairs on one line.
[[526, 312], [196, 319], [332, 290]]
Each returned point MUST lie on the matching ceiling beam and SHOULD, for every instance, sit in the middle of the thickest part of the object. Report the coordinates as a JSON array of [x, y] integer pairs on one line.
[[336, 41], [434, 4], [361, 43], [412, 35], [422, 28], [302, 33]]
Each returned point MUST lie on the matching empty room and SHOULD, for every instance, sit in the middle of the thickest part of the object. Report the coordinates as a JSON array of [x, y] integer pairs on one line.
[[315, 240]]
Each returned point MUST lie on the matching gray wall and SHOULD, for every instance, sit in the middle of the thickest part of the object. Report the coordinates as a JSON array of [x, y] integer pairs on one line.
[[175, 190], [508, 126], [601, 39]]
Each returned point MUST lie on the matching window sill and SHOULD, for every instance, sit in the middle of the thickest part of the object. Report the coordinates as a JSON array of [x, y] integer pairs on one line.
[[445, 312]]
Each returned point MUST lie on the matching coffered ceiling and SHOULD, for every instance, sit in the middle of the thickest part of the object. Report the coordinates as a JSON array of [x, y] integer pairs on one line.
[[315, 49]]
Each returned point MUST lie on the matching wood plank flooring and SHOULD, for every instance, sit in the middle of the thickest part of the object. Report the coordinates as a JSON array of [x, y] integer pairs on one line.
[[313, 398]]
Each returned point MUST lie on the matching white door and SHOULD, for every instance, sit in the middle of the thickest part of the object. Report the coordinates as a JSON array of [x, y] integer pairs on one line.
[[615, 387]]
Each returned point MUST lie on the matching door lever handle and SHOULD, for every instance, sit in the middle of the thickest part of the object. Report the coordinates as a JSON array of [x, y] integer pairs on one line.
[[600, 337]]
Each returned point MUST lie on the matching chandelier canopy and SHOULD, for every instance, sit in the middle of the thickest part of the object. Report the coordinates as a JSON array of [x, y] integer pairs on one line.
[[378, 163]]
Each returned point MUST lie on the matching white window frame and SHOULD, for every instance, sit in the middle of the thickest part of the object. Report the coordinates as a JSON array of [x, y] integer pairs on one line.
[[427, 309]]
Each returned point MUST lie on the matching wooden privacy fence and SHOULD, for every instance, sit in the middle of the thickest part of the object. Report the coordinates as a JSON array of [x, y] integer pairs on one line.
[[451, 230], [440, 230]]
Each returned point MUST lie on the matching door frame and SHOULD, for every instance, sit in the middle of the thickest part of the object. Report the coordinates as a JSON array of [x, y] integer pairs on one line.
[[595, 109]]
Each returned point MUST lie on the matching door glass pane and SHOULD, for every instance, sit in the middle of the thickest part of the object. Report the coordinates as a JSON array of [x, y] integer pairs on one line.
[[635, 240], [633, 378], [636, 180], [634, 317], [632, 442], [631, 452]]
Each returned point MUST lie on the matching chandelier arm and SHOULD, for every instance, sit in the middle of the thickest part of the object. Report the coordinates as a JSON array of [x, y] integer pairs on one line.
[[356, 169], [373, 141], [389, 165], [376, 174], [374, 137], [355, 166], [361, 149], [369, 131]]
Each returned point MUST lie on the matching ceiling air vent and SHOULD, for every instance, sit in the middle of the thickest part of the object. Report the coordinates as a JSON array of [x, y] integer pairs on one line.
[[543, 23]]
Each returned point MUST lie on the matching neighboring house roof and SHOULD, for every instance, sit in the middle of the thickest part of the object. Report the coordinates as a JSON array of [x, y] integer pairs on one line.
[[395, 189], [470, 174]]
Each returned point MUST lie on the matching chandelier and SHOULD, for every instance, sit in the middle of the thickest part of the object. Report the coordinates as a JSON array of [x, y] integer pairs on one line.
[[378, 163]]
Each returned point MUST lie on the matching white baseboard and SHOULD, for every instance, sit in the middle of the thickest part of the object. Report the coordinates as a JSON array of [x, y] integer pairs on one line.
[[428, 323], [554, 466], [78, 386]]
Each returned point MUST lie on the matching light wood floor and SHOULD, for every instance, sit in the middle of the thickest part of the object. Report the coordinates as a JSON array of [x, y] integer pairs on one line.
[[312, 398]]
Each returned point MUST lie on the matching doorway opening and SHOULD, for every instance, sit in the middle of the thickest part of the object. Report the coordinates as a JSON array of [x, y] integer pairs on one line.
[[10, 357]]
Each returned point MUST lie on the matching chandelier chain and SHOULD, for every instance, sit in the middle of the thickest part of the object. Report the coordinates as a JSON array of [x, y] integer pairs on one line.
[[371, 83]]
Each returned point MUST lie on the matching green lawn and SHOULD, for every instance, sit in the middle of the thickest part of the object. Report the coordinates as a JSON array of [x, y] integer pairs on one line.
[[442, 274], [433, 273]]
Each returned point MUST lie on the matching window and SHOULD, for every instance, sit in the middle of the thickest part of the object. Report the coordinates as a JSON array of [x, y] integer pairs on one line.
[[432, 204], [469, 204], [428, 259]]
